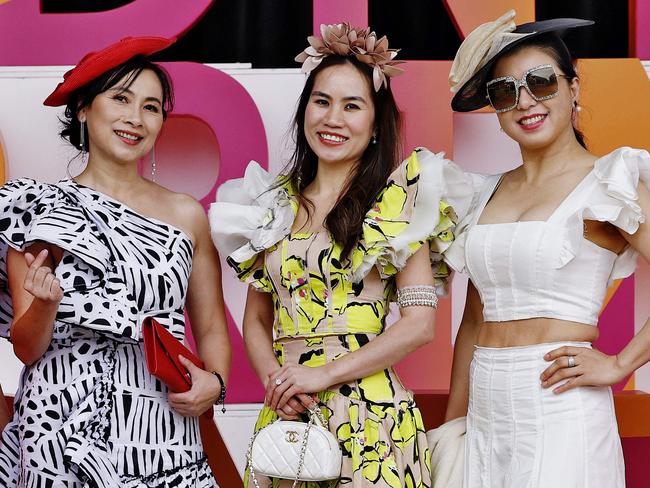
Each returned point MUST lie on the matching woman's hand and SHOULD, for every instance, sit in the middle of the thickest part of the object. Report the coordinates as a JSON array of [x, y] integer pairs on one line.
[[294, 379], [40, 281], [580, 366], [295, 406], [205, 390]]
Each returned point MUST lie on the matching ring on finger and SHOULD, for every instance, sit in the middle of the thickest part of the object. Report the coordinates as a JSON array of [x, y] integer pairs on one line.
[[278, 381], [571, 361]]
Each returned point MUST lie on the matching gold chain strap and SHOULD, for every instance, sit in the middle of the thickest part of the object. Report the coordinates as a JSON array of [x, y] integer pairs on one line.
[[315, 415]]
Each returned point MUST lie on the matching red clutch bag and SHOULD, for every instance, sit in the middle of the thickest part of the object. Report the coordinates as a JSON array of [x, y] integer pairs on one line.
[[161, 350]]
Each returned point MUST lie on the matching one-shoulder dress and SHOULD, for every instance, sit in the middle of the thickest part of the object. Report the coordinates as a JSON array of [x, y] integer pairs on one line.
[[88, 413]]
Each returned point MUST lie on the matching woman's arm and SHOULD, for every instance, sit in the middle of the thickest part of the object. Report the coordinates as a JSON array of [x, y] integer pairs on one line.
[[4, 412], [205, 307], [414, 329], [463, 352], [258, 333], [258, 337], [35, 295], [592, 367]]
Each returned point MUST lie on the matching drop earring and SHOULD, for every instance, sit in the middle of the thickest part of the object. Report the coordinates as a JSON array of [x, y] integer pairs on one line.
[[153, 163], [82, 141], [374, 139]]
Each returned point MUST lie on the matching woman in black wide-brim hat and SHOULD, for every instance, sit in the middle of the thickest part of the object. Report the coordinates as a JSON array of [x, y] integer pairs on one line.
[[541, 244]]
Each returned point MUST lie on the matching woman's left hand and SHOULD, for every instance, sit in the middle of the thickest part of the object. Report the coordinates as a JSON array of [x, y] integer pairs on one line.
[[205, 390], [580, 366], [292, 379]]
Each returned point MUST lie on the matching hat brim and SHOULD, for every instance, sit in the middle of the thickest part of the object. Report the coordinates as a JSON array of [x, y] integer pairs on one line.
[[472, 95], [97, 63]]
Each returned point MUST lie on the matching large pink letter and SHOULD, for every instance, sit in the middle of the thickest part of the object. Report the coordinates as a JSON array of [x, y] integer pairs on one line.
[[29, 37]]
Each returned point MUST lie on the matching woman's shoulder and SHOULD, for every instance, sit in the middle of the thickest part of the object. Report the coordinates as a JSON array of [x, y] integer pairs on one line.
[[422, 201], [179, 209]]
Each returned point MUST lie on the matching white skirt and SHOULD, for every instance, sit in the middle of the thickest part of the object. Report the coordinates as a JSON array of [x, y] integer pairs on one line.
[[520, 435]]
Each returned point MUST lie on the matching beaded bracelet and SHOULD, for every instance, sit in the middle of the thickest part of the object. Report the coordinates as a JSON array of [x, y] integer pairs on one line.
[[420, 295], [222, 394]]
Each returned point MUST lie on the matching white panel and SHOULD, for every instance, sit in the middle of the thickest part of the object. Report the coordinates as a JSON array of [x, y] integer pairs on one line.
[[236, 428]]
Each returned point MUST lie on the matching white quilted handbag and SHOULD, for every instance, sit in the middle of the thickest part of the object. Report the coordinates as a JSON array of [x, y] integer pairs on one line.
[[301, 451]]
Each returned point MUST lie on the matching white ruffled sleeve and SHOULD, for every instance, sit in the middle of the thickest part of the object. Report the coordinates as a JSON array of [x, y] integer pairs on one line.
[[620, 173], [251, 214], [614, 200], [421, 202]]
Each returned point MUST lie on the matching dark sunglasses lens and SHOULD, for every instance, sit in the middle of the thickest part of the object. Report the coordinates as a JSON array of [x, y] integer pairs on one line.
[[542, 82], [502, 94]]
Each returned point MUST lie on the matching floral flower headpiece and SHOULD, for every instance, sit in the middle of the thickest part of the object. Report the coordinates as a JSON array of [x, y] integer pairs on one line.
[[343, 40]]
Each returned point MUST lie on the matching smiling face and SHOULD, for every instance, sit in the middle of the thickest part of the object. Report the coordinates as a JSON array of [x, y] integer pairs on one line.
[[123, 123], [340, 115], [537, 124]]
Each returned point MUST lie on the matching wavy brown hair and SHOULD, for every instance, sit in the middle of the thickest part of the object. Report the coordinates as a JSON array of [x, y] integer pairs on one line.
[[363, 184]]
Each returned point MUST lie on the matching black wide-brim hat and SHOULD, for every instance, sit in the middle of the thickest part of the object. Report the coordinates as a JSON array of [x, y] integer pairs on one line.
[[473, 95]]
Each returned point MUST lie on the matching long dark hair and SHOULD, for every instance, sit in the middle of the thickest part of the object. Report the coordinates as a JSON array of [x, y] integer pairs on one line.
[[345, 219], [84, 96], [555, 47]]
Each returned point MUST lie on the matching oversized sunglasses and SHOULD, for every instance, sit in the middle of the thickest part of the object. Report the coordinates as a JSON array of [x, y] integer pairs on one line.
[[540, 81]]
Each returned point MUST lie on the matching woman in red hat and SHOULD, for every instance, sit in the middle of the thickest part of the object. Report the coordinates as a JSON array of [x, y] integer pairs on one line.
[[541, 245], [87, 260]]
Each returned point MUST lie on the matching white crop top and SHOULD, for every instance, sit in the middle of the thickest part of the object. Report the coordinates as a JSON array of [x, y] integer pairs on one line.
[[547, 268]]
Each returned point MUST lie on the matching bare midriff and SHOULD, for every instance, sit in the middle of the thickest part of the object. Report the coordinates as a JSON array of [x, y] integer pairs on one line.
[[538, 330]]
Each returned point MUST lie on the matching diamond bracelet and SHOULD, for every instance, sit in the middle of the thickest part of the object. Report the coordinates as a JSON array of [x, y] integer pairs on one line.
[[417, 296]]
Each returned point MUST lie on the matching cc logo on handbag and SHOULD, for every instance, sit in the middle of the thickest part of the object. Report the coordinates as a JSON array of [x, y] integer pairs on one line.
[[292, 436]]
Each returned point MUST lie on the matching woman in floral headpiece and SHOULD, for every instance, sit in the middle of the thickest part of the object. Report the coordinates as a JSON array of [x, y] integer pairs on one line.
[[82, 263], [328, 245], [541, 244]]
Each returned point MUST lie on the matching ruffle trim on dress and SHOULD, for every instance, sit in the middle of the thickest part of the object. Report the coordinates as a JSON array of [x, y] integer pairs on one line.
[[197, 474], [614, 200], [422, 201], [455, 254], [81, 222], [86, 432], [33, 211], [251, 214]]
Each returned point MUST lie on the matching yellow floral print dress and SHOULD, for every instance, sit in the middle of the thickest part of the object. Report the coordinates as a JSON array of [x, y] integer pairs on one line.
[[327, 305]]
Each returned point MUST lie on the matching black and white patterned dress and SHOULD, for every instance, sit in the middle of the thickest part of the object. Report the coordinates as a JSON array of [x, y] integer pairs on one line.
[[88, 413]]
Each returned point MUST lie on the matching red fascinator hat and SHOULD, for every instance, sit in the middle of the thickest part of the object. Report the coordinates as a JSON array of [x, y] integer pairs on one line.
[[96, 63]]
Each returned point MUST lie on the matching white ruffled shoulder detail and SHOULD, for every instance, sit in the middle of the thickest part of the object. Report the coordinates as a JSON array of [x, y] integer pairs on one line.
[[619, 174], [422, 201], [614, 200], [250, 214]]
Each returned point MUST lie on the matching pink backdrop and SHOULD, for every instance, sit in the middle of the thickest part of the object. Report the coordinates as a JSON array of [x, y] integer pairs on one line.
[[217, 128]]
